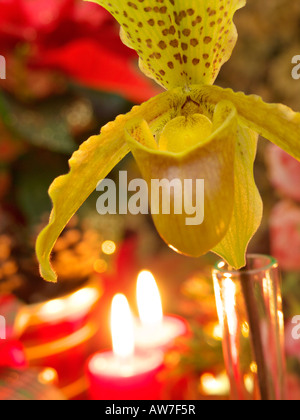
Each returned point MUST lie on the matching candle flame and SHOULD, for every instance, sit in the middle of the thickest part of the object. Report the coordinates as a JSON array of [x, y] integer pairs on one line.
[[122, 329], [148, 299]]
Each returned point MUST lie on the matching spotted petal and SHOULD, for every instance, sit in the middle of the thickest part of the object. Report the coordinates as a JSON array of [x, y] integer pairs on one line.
[[179, 42]]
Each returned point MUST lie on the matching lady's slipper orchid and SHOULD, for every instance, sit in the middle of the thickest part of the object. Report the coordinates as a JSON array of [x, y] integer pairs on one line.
[[193, 130]]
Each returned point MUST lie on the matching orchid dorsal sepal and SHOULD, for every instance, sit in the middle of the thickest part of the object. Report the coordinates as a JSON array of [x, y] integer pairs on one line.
[[179, 42]]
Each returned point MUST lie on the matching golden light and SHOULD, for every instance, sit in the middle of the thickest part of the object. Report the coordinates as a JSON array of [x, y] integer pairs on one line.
[[148, 299], [229, 291], [225, 295], [217, 332], [215, 385], [245, 329], [173, 248], [122, 329], [214, 330], [100, 266], [108, 247], [48, 376], [253, 367], [83, 298], [73, 305], [52, 308], [249, 383], [280, 319], [219, 303]]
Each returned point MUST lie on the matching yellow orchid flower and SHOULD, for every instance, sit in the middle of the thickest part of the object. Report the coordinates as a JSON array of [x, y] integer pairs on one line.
[[193, 130]]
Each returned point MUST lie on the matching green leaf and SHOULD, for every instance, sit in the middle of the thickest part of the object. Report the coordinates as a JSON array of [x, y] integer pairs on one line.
[[42, 125], [31, 182]]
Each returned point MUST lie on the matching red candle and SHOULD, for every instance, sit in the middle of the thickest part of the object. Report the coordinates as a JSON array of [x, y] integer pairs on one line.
[[154, 330], [123, 374]]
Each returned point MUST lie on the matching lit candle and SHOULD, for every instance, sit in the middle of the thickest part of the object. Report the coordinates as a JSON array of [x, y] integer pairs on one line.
[[154, 330], [122, 374]]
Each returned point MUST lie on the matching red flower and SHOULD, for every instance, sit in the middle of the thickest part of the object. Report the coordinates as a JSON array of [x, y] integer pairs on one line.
[[285, 235], [12, 354], [79, 39], [284, 172]]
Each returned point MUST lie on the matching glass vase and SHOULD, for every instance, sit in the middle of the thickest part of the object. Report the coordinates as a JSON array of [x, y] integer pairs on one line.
[[250, 313]]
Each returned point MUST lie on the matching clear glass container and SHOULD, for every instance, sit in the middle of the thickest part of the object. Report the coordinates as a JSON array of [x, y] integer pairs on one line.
[[249, 306]]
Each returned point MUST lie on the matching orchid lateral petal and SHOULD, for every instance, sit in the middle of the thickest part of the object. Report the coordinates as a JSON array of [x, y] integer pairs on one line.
[[247, 211], [90, 164], [211, 160], [179, 42], [276, 122]]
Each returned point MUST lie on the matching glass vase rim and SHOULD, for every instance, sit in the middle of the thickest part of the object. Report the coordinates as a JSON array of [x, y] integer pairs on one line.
[[272, 263]]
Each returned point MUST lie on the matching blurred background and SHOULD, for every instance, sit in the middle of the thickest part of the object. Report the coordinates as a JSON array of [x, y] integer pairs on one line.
[[67, 74]]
